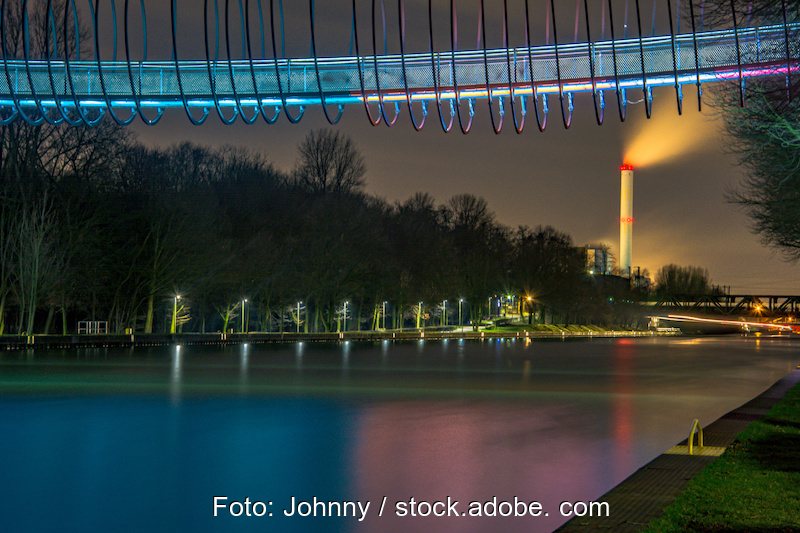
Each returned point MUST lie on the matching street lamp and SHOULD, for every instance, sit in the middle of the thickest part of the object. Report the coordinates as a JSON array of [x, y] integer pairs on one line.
[[175, 312], [298, 316], [529, 309], [244, 323]]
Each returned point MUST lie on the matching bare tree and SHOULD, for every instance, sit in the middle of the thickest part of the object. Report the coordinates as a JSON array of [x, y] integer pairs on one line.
[[764, 134], [329, 163], [674, 279], [39, 262]]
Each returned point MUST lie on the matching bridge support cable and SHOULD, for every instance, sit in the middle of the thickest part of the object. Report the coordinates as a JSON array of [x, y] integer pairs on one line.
[[696, 55], [316, 70], [738, 53], [519, 124], [212, 71], [381, 101], [566, 119], [541, 118], [648, 93], [173, 18], [435, 69], [599, 109], [788, 53], [51, 31], [297, 118], [259, 100], [136, 99], [237, 99], [361, 68], [465, 129], [95, 24], [17, 106], [678, 93], [401, 7], [26, 51], [621, 100], [496, 126]]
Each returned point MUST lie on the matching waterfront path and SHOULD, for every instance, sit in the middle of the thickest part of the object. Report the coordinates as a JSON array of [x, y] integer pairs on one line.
[[155, 339], [647, 492]]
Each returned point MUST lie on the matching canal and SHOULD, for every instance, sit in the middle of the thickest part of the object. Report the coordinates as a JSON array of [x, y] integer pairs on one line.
[[353, 437]]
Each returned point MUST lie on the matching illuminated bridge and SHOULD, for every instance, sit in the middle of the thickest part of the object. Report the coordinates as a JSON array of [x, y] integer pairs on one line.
[[62, 81]]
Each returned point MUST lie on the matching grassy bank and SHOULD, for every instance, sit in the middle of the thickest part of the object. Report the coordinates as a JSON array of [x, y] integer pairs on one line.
[[551, 328], [754, 487]]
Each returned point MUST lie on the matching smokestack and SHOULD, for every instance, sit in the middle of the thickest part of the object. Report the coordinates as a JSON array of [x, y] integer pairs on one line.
[[625, 219]]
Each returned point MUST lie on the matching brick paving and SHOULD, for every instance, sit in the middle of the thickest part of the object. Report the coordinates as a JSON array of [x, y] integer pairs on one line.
[[644, 495]]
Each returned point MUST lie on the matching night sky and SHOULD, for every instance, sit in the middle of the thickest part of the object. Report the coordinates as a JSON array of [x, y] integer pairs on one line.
[[565, 178]]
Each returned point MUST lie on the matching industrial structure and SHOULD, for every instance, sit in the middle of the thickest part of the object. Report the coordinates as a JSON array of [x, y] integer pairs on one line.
[[625, 219]]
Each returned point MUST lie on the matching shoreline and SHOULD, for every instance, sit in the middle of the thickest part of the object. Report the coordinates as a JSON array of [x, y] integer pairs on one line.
[[22, 342], [644, 495]]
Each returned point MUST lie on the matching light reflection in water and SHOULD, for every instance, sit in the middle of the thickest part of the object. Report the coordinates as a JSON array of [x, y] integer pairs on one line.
[[175, 375], [244, 364], [622, 412], [298, 357], [548, 421]]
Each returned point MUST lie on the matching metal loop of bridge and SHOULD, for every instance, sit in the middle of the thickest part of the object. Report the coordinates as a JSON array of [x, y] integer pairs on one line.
[[60, 86]]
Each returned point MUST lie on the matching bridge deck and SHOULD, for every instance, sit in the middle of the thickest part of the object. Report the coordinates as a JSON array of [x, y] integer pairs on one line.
[[201, 83]]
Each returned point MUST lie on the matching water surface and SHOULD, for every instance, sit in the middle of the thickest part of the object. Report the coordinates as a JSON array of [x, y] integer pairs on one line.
[[144, 439]]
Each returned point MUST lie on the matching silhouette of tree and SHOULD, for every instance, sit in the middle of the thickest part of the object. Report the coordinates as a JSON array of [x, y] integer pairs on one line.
[[764, 134], [677, 280], [329, 163]]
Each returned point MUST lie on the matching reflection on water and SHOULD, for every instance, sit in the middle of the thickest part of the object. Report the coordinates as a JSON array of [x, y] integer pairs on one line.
[[143, 440]]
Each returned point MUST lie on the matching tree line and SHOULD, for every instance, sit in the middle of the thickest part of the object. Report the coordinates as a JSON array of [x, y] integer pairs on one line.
[[96, 226]]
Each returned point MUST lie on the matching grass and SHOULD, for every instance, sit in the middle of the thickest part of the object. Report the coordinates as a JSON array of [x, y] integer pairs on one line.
[[548, 328], [754, 487]]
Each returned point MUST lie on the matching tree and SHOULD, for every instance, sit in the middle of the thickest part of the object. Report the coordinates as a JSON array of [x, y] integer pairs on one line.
[[764, 134], [548, 268], [39, 262], [677, 280], [329, 163], [481, 247]]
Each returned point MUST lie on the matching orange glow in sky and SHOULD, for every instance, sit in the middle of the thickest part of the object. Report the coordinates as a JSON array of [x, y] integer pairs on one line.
[[667, 136]]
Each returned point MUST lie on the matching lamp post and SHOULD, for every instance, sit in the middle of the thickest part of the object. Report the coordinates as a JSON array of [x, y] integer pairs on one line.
[[529, 309], [444, 313], [345, 316], [298, 316], [460, 301], [175, 312], [244, 322], [419, 312]]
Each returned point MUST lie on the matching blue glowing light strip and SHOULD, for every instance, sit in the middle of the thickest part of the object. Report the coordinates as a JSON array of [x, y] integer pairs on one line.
[[28, 84]]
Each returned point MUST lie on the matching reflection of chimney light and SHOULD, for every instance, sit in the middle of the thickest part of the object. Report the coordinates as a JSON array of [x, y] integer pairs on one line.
[[625, 218]]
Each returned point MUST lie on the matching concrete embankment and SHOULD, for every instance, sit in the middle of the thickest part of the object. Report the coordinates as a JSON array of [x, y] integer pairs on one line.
[[11, 342]]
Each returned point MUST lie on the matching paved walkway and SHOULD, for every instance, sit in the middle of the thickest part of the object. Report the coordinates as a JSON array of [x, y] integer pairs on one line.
[[644, 495]]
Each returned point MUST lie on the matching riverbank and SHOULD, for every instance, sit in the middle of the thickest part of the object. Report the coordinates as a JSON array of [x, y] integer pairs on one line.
[[745, 478], [752, 487], [11, 342]]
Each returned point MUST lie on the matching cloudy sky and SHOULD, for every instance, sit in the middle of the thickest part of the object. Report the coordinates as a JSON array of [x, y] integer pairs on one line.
[[565, 178]]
